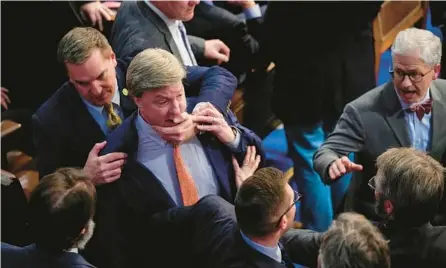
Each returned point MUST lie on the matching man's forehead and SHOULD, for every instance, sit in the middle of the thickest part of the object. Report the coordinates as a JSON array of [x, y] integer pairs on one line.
[[169, 91]]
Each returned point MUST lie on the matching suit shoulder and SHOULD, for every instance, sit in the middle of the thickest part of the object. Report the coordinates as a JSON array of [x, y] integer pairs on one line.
[[368, 100], [58, 104]]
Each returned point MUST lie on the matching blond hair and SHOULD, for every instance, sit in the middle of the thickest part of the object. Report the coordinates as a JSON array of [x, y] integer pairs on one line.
[[413, 181], [79, 43], [153, 68], [352, 241]]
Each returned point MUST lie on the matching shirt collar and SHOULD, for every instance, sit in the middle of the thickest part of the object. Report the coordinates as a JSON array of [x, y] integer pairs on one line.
[[115, 99], [272, 252], [72, 250], [145, 130], [407, 105], [169, 22]]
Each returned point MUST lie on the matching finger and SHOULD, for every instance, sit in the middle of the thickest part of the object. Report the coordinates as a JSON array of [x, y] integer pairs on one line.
[[6, 98], [224, 49], [331, 173], [114, 165], [341, 166], [5, 89], [201, 119], [257, 162], [110, 173], [97, 148], [221, 57], [180, 118], [209, 128], [112, 179], [112, 5], [209, 111], [335, 170], [99, 20], [93, 19], [247, 156], [5, 105], [105, 13], [356, 167], [112, 157], [253, 154]]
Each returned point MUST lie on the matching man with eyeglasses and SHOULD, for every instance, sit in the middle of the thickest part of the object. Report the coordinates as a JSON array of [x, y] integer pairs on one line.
[[410, 111]]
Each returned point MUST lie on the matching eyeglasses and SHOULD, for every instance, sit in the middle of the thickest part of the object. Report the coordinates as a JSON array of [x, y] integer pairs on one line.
[[372, 183], [297, 197], [414, 77]]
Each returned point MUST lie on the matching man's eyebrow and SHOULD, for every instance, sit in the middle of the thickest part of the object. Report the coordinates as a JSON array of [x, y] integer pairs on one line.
[[86, 82]]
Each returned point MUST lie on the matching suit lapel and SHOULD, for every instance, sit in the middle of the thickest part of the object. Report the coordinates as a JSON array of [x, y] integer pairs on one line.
[[87, 129], [219, 164], [395, 115], [161, 26], [438, 123]]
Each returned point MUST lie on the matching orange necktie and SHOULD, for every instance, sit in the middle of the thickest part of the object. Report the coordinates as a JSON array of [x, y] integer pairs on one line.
[[189, 191]]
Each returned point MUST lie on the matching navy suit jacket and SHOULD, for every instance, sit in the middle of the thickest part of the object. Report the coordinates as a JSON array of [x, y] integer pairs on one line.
[[32, 256], [65, 132], [123, 236]]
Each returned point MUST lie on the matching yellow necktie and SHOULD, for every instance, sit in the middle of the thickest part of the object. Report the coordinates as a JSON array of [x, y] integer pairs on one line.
[[113, 119], [189, 192]]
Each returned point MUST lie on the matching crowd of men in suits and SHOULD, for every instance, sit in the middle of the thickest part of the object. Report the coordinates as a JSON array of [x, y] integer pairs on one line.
[[140, 155]]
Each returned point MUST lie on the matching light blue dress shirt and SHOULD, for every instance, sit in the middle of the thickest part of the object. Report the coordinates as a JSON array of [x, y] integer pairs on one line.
[[100, 114], [274, 253], [420, 132], [157, 156]]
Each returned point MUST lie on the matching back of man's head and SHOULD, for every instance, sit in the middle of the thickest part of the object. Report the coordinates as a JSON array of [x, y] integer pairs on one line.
[[79, 43], [260, 201], [352, 241], [412, 182], [61, 209]]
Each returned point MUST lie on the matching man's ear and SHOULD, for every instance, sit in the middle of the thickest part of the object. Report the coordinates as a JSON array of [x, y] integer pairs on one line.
[[137, 101], [437, 69], [388, 207]]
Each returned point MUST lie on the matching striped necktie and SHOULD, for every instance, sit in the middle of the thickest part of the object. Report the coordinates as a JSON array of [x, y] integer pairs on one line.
[[113, 119], [186, 43]]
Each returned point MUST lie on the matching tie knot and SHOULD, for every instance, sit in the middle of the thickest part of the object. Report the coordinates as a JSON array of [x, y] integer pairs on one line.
[[422, 108]]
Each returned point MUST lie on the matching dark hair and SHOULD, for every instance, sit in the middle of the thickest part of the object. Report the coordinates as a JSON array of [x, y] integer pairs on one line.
[[60, 207], [260, 200]]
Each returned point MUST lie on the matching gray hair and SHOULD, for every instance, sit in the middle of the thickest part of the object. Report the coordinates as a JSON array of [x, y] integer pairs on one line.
[[153, 68], [417, 40], [352, 241], [413, 181]]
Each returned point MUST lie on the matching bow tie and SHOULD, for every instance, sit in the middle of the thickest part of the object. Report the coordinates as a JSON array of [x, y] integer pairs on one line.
[[421, 108]]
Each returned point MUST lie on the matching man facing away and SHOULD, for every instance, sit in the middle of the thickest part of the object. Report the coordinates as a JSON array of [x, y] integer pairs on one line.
[[62, 208]]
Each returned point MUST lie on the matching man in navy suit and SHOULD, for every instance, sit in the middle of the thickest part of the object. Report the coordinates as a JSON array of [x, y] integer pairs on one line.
[[62, 208], [69, 127], [159, 174]]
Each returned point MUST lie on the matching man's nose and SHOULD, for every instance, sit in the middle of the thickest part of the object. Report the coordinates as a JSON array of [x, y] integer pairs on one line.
[[406, 81], [96, 88]]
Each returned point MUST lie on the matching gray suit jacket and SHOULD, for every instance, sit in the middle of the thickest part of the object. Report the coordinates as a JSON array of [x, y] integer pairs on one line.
[[137, 27], [369, 126]]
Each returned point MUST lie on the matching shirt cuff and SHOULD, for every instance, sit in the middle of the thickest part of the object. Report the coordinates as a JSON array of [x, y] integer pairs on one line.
[[233, 145], [252, 12]]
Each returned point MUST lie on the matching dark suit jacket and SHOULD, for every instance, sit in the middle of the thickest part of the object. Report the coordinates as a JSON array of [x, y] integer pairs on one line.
[[125, 205], [65, 132], [32, 256], [369, 126], [238, 254], [323, 54], [213, 22], [421, 246], [137, 27]]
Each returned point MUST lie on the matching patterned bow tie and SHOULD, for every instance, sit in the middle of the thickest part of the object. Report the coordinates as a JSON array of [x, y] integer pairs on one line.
[[421, 108]]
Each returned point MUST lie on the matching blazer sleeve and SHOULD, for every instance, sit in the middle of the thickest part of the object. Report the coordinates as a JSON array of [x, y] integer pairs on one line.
[[215, 84], [302, 246], [50, 153], [348, 137], [197, 45]]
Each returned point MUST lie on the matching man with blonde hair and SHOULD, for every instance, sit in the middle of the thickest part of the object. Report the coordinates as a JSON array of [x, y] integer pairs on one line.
[[160, 174], [407, 112], [352, 241], [408, 190], [69, 128]]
